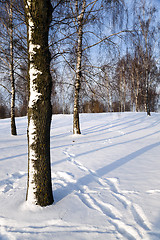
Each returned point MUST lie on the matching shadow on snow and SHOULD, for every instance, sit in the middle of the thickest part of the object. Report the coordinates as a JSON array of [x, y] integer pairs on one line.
[[63, 192]]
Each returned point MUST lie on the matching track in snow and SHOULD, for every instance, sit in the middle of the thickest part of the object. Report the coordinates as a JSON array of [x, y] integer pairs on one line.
[[135, 231]]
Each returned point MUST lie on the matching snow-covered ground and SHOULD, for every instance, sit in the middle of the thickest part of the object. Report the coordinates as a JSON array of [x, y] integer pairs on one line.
[[106, 182]]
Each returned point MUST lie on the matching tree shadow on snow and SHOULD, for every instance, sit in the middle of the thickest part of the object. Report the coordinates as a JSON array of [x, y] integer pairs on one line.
[[63, 192], [109, 125], [15, 156], [101, 148]]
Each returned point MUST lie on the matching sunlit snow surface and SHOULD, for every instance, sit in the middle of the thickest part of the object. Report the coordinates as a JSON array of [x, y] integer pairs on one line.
[[106, 181]]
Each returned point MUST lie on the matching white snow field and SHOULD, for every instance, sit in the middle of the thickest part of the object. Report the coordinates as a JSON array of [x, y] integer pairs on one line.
[[106, 182]]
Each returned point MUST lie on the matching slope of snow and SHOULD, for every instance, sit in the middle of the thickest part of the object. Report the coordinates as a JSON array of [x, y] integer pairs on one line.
[[106, 182]]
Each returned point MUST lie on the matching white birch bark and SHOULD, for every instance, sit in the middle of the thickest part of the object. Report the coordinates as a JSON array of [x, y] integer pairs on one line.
[[13, 124], [33, 98], [39, 189], [76, 123]]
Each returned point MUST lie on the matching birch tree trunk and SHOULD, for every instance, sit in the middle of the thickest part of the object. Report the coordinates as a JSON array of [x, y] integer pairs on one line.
[[147, 101], [124, 89], [76, 124], [13, 124], [108, 93], [39, 15], [132, 90], [137, 90], [120, 91]]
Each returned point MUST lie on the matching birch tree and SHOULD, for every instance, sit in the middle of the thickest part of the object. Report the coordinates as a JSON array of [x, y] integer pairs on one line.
[[85, 15], [146, 37], [80, 17], [38, 16], [13, 124], [8, 57]]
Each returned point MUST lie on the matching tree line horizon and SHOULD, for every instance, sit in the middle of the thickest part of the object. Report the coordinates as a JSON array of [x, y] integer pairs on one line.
[[124, 63]]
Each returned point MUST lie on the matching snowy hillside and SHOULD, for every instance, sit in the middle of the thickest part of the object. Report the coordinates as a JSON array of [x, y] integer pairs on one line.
[[106, 182]]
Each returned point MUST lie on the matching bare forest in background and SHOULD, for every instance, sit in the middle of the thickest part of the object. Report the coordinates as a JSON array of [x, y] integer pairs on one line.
[[104, 52]]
